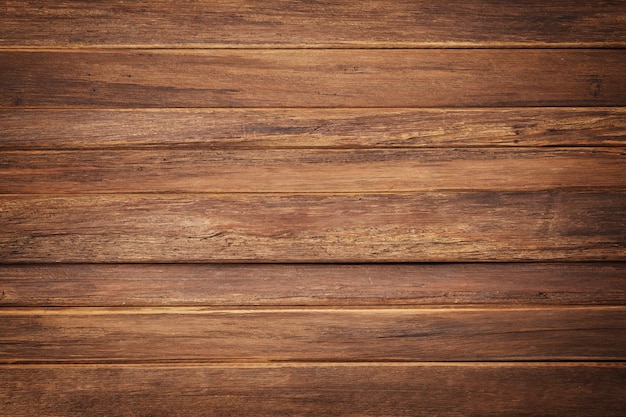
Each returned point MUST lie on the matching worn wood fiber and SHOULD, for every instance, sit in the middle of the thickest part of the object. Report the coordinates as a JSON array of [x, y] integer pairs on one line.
[[313, 78], [313, 284], [277, 24], [511, 389], [423, 227], [85, 335], [229, 129], [290, 171]]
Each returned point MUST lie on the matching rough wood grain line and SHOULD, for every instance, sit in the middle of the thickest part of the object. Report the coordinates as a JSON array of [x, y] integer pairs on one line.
[[316, 171], [25, 129], [233, 24], [588, 389], [122, 335], [313, 78], [313, 285], [426, 227]]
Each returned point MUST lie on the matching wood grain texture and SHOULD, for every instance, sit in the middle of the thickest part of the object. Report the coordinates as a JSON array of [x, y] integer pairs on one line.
[[90, 335], [313, 78], [320, 389], [425, 227], [237, 23], [230, 129], [375, 208], [317, 171], [587, 389], [313, 284]]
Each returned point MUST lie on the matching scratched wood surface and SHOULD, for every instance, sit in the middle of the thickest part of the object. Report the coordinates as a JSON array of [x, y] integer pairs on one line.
[[312, 208]]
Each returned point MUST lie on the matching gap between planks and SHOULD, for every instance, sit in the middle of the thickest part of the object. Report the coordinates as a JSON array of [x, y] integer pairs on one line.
[[199, 310], [353, 45], [320, 364]]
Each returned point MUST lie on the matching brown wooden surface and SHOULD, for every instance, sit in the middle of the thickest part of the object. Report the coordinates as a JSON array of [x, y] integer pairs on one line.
[[424, 227], [291, 171], [183, 184], [313, 284], [230, 129], [274, 23], [507, 389], [84, 335], [313, 78]]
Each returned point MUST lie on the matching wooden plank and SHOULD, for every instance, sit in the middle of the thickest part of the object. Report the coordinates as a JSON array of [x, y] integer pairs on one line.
[[313, 78], [313, 285], [427, 227], [245, 23], [588, 389], [164, 334], [27, 129], [511, 389], [317, 171]]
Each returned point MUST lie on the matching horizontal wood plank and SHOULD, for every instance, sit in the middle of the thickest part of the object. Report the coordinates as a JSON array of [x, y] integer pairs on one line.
[[24, 129], [90, 335], [588, 389], [313, 285], [245, 23], [317, 171], [313, 78], [426, 227]]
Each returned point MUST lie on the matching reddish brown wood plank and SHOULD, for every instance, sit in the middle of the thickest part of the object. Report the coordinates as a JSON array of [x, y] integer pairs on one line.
[[315, 285], [313, 78], [310, 128], [290, 171], [87, 335], [587, 389], [236, 24], [427, 227]]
